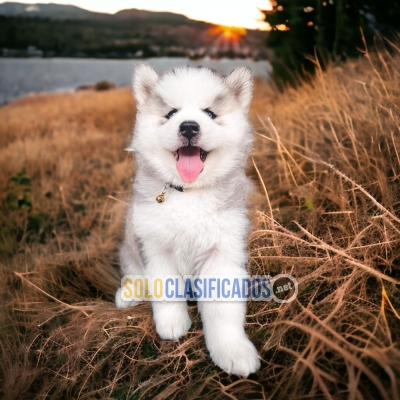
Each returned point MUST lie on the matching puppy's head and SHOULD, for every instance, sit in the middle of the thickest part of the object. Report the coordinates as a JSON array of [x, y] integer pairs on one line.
[[192, 127]]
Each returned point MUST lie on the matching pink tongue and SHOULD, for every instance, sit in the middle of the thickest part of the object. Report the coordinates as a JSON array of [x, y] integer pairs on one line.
[[189, 164]]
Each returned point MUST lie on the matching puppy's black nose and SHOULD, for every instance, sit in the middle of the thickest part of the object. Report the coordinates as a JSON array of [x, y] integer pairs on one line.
[[189, 129]]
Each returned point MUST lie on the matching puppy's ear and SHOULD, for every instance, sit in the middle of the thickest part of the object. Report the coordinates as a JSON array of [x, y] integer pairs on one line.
[[240, 81], [144, 80]]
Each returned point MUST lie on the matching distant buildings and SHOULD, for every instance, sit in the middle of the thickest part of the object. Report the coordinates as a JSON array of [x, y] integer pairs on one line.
[[30, 51], [212, 52]]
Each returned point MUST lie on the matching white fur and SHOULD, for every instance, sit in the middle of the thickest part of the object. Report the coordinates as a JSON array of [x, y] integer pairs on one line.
[[203, 231]]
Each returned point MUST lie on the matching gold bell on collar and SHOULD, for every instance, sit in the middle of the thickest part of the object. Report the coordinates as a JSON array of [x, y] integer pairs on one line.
[[160, 198]]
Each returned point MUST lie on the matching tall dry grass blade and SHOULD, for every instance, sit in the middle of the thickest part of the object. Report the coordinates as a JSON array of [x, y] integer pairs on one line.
[[70, 306]]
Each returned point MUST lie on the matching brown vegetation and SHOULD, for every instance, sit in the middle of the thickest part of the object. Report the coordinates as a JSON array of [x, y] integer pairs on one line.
[[328, 155], [101, 85]]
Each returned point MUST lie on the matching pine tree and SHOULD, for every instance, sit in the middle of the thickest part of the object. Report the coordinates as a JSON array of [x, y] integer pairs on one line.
[[325, 30]]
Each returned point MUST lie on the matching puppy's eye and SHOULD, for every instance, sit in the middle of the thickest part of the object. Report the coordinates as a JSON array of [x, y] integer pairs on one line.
[[171, 113], [210, 113]]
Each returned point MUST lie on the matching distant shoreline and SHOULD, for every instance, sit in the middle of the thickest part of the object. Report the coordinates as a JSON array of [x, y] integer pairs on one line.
[[21, 76]]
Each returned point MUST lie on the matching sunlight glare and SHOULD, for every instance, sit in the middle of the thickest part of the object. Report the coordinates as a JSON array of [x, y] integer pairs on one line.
[[231, 33]]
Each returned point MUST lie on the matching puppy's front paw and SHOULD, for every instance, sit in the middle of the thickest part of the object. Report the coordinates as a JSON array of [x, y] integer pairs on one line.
[[120, 303], [172, 325], [238, 357]]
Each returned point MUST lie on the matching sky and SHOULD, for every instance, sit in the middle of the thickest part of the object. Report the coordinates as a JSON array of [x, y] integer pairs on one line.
[[243, 13]]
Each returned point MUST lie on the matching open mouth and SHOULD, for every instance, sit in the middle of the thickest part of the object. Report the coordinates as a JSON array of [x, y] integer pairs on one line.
[[190, 162]]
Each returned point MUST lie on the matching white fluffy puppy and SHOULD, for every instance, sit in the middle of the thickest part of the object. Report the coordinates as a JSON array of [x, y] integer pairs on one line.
[[192, 132]]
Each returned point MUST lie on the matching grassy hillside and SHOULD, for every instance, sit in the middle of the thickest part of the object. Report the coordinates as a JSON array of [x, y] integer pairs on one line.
[[328, 154]]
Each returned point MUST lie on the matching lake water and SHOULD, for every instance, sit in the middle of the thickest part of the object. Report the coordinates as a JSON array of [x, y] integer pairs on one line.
[[19, 76]]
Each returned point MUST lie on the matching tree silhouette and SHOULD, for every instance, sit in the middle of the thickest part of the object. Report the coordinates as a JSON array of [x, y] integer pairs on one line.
[[326, 30]]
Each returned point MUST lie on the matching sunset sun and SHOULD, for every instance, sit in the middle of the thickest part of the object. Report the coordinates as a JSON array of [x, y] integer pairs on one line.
[[229, 33]]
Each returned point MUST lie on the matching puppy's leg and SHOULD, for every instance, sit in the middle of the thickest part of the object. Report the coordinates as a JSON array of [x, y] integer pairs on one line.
[[130, 265], [171, 317], [223, 323]]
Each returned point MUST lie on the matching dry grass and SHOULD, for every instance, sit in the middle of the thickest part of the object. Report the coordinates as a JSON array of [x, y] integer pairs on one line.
[[329, 156]]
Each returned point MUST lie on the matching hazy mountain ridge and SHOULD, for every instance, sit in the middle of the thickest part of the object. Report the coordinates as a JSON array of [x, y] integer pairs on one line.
[[64, 12], [56, 11]]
